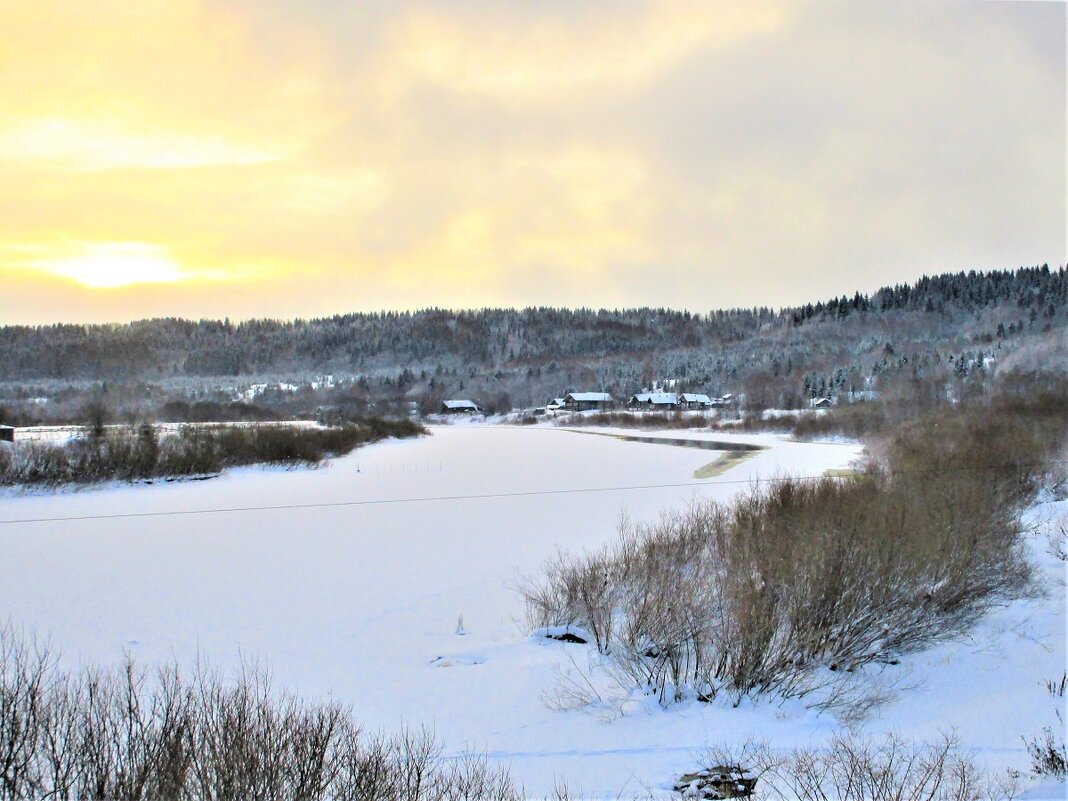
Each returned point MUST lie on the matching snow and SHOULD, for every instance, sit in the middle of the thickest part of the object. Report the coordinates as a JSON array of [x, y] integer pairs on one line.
[[355, 591]]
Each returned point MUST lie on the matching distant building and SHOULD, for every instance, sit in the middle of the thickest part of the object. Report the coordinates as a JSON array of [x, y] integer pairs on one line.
[[584, 401], [659, 401], [822, 403], [7, 433], [554, 404], [692, 400], [459, 407]]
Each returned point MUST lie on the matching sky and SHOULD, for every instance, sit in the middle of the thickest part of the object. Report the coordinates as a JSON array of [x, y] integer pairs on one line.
[[264, 158]]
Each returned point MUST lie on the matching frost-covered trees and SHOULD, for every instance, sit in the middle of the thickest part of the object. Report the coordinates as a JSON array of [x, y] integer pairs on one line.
[[956, 327]]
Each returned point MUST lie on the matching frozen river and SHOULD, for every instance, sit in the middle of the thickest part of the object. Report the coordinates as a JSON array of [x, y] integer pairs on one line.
[[348, 582]]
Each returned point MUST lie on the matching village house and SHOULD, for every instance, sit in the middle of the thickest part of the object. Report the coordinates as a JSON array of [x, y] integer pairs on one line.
[[584, 401], [459, 407], [693, 400], [656, 401]]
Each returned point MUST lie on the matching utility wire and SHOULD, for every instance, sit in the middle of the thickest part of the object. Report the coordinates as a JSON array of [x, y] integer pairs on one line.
[[486, 496]]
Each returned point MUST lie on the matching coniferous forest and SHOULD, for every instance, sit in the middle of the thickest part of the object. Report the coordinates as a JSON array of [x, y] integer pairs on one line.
[[939, 335]]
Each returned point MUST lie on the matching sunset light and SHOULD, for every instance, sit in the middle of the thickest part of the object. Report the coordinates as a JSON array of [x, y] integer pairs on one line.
[[266, 158], [115, 264]]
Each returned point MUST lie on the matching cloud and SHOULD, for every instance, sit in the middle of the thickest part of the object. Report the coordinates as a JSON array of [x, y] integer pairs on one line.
[[102, 144], [566, 54], [295, 159]]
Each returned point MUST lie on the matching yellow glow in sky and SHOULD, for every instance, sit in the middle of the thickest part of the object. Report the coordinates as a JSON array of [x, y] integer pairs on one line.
[[108, 265], [106, 144], [253, 158]]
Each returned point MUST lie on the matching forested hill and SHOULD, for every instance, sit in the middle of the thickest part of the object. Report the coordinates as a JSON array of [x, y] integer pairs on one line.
[[992, 305]]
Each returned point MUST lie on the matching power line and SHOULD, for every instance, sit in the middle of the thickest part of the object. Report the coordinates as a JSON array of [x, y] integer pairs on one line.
[[379, 501], [479, 496]]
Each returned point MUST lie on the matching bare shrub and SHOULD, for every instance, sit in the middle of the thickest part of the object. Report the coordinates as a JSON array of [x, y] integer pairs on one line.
[[798, 579], [143, 453], [1049, 757], [796, 585], [863, 769], [131, 734], [1048, 752]]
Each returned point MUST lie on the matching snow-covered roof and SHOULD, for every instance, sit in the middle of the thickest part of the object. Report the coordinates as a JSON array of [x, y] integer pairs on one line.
[[459, 404], [589, 396], [693, 397], [556, 401], [660, 398]]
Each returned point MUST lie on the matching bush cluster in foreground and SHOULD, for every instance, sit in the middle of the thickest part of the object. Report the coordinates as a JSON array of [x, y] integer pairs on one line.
[[143, 453], [135, 736]]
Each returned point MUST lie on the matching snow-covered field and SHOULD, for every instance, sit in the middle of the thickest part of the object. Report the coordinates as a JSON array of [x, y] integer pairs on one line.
[[352, 586]]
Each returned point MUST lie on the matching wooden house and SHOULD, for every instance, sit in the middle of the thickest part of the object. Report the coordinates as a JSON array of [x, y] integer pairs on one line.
[[459, 407], [584, 401]]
